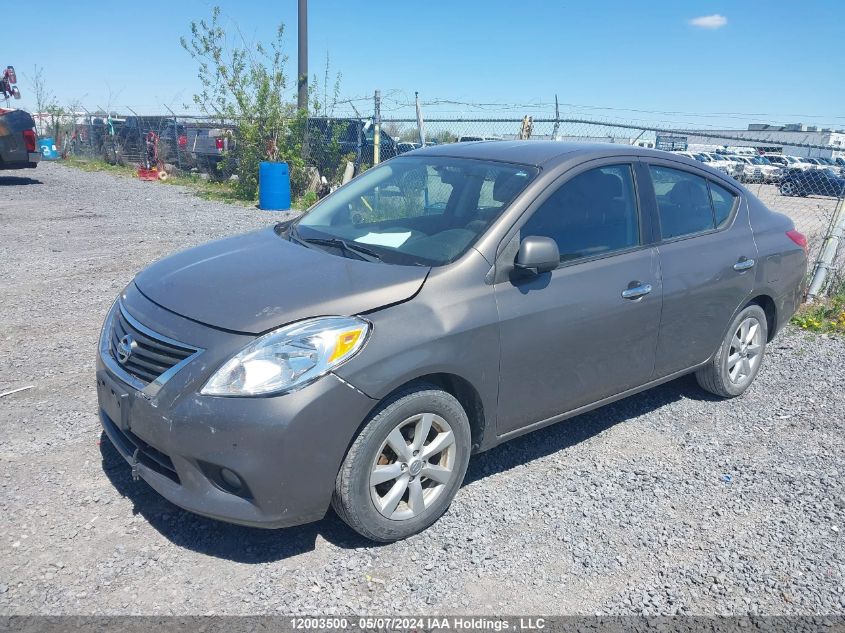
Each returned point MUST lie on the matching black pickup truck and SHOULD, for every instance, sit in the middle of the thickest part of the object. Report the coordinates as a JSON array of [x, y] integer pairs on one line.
[[18, 140]]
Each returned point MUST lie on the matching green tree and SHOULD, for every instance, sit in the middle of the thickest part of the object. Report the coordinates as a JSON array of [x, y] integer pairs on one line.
[[244, 84], [445, 136]]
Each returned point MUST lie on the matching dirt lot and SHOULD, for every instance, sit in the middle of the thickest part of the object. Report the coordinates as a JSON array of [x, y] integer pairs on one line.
[[667, 502]]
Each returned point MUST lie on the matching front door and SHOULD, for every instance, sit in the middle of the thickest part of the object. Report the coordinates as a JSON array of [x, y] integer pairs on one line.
[[588, 329]]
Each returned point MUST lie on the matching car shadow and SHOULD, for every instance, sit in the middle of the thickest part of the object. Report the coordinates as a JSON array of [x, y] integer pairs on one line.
[[9, 181], [255, 545], [562, 435]]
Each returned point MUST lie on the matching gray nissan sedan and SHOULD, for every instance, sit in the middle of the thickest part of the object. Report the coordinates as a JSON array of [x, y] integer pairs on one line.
[[441, 303]]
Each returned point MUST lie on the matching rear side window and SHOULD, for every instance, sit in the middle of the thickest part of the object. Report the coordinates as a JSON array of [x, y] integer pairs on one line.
[[683, 202], [723, 203], [593, 213]]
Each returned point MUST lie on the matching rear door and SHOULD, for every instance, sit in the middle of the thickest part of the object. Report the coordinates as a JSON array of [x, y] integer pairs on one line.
[[707, 258], [571, 337]]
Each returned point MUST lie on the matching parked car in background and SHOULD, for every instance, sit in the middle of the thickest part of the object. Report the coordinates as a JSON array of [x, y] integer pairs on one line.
[[757, 169], [820, 182], [786, 162], [815, 163], [825, 163], [469, 139], [354, 136], [722, 163], [18, 140], [436, 306], [405, 146], [801, 163], [209, 148], [172, 140]]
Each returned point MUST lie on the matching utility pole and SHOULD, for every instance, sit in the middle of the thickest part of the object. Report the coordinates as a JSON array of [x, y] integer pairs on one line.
[[377, 130], [302, 82]]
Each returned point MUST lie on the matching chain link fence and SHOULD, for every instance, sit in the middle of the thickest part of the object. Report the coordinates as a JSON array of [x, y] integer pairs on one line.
[[794, 176], [792, 172]]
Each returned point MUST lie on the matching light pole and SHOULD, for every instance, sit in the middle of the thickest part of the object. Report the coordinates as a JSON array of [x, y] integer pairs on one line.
[[302, 82]]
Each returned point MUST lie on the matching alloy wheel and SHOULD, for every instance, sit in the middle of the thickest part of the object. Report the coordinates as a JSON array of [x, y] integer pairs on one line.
[[745, 351], [413, 466]]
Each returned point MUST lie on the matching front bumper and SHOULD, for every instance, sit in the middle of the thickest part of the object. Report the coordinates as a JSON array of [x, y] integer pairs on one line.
[[286, 450]]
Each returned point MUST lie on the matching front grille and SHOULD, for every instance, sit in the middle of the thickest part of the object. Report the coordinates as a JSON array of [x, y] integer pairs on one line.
[[152, 355], [134, 447]]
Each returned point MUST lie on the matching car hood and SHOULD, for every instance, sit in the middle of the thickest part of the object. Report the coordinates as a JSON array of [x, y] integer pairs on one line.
[[255, 282]]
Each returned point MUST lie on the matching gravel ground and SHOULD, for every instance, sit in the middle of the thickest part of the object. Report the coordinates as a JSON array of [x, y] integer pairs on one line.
[[667, 502]]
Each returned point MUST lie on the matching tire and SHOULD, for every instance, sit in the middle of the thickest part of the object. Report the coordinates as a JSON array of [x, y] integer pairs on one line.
[[739, 358], [371, 458]]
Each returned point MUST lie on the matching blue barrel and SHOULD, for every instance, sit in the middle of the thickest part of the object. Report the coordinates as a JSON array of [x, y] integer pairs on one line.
[[48, 148], [273, 186]]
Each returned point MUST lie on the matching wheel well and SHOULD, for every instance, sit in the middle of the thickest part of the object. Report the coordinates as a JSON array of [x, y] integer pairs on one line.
[[465, 393], [768, 305]]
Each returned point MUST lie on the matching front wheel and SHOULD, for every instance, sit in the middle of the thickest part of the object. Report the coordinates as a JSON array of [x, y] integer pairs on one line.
[[403, 470], [736, 363], [788, 188]]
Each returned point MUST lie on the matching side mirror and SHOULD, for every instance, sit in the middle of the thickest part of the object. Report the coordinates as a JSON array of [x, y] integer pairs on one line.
[[537, 255]]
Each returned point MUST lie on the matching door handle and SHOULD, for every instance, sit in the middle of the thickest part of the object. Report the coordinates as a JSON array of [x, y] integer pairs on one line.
[[636, 290], [744, 264]]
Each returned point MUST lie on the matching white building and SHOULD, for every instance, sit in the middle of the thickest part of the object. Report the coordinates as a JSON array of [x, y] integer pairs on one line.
[[786, 139]]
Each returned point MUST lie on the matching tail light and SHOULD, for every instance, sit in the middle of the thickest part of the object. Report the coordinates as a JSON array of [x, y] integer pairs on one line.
[[219, 142], [29, 140], [183, 140], [798, 238]]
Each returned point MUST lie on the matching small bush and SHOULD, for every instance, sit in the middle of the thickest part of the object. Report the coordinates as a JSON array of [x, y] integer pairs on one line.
[[824, 316], [244, 85]]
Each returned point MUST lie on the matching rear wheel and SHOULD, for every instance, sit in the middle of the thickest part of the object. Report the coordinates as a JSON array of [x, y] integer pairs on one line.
[[403, 470], [788, 188], [736, 363]]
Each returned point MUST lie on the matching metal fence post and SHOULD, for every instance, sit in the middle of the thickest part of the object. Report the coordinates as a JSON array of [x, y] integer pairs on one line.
[[829, 250], [377, 130], [175, 138]]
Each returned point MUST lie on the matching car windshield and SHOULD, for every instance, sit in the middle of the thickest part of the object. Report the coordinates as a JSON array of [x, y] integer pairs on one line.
[[414, 210], [760, 160]]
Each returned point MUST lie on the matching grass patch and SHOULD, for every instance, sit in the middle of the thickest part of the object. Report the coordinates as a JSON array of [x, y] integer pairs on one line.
[[208, 189], [203, 187], [98, 165], [827, 315]]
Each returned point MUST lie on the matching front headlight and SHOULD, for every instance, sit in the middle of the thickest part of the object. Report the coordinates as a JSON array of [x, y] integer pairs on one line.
[[289, 357]]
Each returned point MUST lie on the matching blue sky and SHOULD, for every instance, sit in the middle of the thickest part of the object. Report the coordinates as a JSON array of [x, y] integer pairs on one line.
[[773, 61]]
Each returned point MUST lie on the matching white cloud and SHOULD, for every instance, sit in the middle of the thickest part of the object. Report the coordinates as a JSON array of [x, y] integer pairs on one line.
[[714, 21]]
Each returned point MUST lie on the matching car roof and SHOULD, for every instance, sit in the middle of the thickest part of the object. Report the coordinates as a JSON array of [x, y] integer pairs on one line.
[[537, 153]]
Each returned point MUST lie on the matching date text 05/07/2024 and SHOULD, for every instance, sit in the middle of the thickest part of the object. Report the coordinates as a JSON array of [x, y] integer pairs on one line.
[[456, 623]]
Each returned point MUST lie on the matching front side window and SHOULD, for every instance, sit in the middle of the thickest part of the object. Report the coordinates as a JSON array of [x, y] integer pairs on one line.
[[416, 210], [593, 213]]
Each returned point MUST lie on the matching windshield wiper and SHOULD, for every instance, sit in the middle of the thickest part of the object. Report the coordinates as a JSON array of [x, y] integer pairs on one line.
[[362, 252]]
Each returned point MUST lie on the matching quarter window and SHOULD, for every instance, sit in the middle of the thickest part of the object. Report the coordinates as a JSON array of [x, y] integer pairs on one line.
[[682, 202], [593, 213], [723, 203]]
